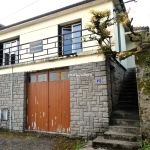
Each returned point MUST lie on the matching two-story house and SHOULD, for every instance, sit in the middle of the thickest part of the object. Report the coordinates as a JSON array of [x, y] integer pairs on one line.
[[51, 79]]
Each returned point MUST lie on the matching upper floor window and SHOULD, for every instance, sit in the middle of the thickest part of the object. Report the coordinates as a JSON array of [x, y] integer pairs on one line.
[[10, 53], [71, 37]]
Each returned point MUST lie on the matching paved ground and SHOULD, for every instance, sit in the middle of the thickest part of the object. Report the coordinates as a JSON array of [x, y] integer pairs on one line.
[[28, 141], [36, 141], [25, 144]]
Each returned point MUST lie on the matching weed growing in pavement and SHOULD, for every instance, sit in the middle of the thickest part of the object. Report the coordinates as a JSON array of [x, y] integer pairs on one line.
[[80, 145], [5, 130]]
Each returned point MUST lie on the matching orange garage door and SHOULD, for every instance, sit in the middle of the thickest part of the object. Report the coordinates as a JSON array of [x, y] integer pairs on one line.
[[48, 101]]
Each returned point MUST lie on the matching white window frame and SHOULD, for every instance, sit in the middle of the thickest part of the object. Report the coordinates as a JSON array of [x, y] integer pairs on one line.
[[72, 25], [9, 50]]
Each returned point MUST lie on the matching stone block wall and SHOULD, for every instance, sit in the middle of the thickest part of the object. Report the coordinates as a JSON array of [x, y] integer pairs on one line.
[[18, 103], [143, 85], [89, 99], [117, 72]]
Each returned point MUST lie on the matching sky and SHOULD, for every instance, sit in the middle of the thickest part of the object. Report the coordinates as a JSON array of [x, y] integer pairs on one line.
[[13, 11]]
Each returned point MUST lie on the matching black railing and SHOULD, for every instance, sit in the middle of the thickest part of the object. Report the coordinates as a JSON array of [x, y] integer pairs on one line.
[[56, 46]]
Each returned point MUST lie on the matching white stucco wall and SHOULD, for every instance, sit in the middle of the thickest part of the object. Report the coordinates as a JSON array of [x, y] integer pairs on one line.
[[53, 64], [49, 27], [123, 44], [131, 59]]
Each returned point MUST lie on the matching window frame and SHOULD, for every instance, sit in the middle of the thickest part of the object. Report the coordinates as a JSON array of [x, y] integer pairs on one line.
[[60, 38], [10, 52]]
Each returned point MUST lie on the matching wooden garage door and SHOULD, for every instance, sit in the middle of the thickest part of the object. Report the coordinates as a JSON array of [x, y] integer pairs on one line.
[[48, 101]]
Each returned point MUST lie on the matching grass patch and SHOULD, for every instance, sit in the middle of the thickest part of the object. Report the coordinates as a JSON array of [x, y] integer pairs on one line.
[[65, 143], [145, 145], [80, 145]]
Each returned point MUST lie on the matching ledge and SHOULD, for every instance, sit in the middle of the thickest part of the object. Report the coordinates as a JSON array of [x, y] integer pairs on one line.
[[49, 59]]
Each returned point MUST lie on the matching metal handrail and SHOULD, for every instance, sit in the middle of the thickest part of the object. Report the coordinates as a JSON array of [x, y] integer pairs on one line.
[[22, 52]]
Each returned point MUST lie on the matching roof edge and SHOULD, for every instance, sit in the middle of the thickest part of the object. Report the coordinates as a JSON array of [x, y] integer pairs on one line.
[[49, 13]]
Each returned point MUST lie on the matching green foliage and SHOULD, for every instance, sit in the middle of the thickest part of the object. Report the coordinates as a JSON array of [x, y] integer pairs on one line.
[[98, 25], [146, 145], [147, 67], [5, 130], [80, 145]]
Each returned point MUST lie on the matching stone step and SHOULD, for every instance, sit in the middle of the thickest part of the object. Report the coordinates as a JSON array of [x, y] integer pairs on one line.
[[128, 98], [132, 86], [132, 99], [125, 122], [122, 136], [125, 115], [129, 79], [127, 107], [125, 129], [124, 95], [129, 103], [129, 87], [129, 90], [130, 75], [100, 142]]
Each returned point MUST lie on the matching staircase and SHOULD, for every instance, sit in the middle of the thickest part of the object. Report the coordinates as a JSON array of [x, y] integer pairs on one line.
[[128, 98], [124, 129]]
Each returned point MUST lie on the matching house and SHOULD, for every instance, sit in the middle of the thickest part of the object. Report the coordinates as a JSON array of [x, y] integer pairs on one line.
[[51, 80]]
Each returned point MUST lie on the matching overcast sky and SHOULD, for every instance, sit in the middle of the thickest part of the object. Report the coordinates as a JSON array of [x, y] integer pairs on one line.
[[10, 10]]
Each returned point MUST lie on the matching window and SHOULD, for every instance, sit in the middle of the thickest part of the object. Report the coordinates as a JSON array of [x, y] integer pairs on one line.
[[54, 76], [64, 75], [10, 52], [32, 78], [71, 39], [42, 78]]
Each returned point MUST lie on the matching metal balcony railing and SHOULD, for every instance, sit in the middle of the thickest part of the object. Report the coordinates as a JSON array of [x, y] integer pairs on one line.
[[56, 46]]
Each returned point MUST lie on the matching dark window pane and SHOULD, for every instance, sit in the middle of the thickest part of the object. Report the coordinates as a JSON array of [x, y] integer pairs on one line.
[[6, 59], [54, 76], [12, 58], [64, 75], [42, 78]]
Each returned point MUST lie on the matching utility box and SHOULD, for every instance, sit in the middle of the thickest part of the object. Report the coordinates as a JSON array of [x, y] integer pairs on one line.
[[4, 114]]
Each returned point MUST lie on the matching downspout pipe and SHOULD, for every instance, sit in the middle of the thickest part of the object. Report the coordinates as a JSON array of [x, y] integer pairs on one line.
[[11, 99], [119, 37]]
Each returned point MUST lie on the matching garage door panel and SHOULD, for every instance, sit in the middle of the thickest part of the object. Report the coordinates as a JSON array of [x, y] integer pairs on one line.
[[41, 102], [65, 108], [42, 107], [31, 94], [54, 103]]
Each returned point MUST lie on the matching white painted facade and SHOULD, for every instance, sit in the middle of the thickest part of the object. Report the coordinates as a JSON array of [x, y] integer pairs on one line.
[[46, 27]]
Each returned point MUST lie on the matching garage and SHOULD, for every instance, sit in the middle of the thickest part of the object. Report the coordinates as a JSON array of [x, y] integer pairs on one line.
[[48, 101]]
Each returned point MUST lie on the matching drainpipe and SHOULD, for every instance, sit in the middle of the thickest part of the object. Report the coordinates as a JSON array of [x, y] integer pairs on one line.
[[119, 38], [11, 99]]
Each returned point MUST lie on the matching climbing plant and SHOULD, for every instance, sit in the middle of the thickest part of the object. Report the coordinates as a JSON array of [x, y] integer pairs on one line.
[[147, 67]]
